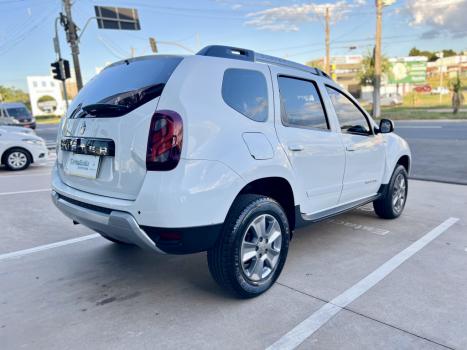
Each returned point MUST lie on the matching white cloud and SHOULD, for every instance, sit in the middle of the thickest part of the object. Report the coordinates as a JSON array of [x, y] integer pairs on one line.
[[289, 18], [444, 16]]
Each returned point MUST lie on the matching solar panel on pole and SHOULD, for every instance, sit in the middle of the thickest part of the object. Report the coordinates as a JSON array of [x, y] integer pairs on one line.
[[118, 18]]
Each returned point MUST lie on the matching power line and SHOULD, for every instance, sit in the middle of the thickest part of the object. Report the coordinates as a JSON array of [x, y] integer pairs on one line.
[[14, 41], [111, 49]]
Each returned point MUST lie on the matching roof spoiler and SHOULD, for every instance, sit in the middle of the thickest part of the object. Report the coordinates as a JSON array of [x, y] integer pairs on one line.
[[237, 53]]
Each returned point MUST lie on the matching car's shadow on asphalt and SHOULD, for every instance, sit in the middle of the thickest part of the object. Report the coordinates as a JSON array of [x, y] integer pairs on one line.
[[120, 272]]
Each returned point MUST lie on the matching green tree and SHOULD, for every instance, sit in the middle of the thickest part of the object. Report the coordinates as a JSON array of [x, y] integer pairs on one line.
[[428, 54], [457, 95], [11, 94], [449, 53], [415, 52], [367, 74], [431, 55]]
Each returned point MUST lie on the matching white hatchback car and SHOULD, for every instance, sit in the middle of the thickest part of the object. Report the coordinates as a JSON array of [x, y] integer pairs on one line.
[[226, 151], [19, 147]]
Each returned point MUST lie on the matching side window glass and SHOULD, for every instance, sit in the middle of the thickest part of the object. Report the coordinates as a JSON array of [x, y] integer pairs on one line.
[[301, 105], [246, 91], [351, 119]]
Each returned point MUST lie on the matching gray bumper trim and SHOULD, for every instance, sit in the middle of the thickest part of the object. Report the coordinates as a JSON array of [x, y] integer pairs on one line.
[[118, 224]]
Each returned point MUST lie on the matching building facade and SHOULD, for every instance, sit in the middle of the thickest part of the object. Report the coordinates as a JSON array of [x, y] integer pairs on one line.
[[46, 94]]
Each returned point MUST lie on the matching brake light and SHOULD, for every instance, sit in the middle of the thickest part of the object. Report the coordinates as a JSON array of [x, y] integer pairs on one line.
[[164, 141]]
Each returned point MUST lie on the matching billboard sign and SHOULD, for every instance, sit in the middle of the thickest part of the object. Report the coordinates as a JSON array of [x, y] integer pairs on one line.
[[410, 70]]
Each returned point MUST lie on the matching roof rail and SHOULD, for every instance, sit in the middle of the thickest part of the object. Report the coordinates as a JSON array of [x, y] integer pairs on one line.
[[323, 73], [228, 52], [252, 56]]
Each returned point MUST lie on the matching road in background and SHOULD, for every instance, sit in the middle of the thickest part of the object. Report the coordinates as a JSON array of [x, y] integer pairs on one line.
[[439, 148], [48, 132]]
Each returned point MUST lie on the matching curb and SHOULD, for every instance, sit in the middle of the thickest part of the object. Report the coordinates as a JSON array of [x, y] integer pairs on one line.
[[438, 180]]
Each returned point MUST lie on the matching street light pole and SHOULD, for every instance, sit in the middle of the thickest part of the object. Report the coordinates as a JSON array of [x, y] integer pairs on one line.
[[59, 54], [72, 37], [440, 55]]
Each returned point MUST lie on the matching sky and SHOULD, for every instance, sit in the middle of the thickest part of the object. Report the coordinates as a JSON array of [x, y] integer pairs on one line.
[[292, 29]]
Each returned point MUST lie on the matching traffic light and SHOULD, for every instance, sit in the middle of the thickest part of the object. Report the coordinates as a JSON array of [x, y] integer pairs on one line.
[[66, 68], [333, 71], [153, 44], [61, 69]]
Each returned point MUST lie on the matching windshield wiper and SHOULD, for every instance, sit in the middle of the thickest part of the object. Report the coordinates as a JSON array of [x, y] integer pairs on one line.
[[106, 110]]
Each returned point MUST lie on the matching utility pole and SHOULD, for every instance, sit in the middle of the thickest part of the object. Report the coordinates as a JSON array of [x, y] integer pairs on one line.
[[328, 58], [72, 38], [377, 80]]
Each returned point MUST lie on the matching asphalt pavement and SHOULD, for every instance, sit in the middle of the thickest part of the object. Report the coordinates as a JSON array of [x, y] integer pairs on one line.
[[351, 282], [439, 148], [48, 132]]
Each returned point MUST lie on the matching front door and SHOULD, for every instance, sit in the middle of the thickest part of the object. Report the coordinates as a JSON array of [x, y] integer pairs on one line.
[[365, 151], [314, 150]]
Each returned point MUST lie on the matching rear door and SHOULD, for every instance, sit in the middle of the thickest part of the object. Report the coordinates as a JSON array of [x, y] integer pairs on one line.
[[313, 147], [365, 151], [103, 149]]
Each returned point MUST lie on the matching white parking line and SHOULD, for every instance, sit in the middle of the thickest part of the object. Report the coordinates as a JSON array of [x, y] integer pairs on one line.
[[19, 175], [41, 248], [21, 192], [419, 127], [310, 325]]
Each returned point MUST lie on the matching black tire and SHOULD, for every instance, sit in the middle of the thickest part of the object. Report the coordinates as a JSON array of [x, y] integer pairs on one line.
[[15, 167], [224, 259], [113, 240], [384, 206]]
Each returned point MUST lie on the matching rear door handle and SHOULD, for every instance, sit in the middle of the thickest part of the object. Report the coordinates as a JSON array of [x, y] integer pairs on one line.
[[296, 147], [350, 149]]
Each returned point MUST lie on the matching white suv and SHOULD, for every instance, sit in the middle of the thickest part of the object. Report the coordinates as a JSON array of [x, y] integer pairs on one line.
[[226, 151]]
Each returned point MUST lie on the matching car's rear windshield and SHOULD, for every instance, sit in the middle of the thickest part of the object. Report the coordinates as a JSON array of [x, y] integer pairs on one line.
[[124, 86], [18, 112]]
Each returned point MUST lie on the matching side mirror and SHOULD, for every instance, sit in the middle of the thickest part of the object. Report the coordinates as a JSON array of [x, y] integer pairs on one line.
[[386, 126]]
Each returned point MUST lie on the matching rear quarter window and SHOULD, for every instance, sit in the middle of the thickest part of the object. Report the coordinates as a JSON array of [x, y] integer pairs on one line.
[[246, 91]]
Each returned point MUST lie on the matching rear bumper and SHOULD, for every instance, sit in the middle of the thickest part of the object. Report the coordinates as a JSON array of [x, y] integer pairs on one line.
[[111, 223], [122, 226]]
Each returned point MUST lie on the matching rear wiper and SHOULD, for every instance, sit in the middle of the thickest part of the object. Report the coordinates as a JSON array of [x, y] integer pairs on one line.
[[106, 110]]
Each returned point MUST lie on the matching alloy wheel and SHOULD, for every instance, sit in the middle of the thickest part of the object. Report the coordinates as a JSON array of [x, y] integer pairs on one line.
[[399, 193], [261, 247]]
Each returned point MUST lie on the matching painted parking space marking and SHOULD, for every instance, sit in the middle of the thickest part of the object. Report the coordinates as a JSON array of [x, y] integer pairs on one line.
[[25, 175], [419, 127], [41, 248], [367, 228], [22, 192], [366, 208], [313, 323]]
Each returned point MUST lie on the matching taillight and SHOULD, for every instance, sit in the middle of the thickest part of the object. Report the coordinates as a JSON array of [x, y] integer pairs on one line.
[[164, 141]]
